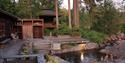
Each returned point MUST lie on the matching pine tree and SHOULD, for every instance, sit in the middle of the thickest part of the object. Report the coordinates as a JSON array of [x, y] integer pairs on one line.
[[8, 5], [25, 8]]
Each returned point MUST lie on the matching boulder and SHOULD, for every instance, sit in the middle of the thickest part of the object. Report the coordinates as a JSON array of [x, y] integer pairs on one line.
[[105, 51], [91, 46], [115, 50]]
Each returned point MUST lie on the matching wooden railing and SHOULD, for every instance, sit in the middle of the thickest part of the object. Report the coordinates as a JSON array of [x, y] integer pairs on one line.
[[40, 57], [50, 25]]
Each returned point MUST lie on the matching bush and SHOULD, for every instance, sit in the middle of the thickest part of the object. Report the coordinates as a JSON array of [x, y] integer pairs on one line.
[[75, 32], [47, 32], [50, 59], [93, 35], [63, 30], [55, 32]]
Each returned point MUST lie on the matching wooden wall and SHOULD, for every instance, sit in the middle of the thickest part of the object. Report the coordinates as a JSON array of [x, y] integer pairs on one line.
[[6, 27], [30, 28], [27, 30]]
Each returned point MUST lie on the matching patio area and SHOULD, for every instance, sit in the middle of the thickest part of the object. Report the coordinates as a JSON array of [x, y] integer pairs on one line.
[[12, 48]]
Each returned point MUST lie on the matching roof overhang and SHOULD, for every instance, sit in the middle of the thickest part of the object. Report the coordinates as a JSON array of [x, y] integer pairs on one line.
[[8, 15], [48, 13]]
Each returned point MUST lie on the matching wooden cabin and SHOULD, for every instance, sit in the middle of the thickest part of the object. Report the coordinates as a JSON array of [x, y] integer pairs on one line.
[[7, 23], [30, 28], [34, 28], [49, 17]]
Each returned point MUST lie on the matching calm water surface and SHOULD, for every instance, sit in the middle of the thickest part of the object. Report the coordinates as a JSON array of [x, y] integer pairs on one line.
[[81, 57]]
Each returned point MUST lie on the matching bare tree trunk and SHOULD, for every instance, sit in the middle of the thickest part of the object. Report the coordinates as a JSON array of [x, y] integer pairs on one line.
[[57, 19], [69, 13], [76, 13]]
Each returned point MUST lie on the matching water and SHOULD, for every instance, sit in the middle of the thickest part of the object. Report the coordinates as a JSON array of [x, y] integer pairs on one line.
[[81, 56]]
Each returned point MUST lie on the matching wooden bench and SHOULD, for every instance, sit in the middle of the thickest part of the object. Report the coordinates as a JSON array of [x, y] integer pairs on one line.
[[2, 43]]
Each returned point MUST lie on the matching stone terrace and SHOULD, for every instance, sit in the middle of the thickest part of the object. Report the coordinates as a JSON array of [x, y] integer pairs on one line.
[[12, 48]]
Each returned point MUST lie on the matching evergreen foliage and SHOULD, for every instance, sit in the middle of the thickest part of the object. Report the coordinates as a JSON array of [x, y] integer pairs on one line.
[[93, 36]]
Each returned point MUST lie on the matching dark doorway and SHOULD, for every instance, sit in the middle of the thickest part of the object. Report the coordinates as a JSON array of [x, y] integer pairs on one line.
[[37, 32]]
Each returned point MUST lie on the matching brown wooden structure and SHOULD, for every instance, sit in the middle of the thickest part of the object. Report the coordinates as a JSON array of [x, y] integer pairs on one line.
[[30, 28], [49, 17], [7, 24]]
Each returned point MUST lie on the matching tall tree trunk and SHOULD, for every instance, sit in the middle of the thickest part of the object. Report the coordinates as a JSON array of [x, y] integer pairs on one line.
[[76, 13], [57, 18], [69, 13]]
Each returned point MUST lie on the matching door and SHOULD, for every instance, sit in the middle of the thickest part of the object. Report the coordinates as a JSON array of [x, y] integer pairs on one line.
[[37, 32], [27, 30]]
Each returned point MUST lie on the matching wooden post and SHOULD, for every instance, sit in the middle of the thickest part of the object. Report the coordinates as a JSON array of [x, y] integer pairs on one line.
[[57, 19], [69, 13]]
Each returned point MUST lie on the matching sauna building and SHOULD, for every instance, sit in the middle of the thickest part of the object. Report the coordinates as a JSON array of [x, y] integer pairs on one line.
[[34, 28], [30, 28], [26, 28], [49, 17], [7, 26]]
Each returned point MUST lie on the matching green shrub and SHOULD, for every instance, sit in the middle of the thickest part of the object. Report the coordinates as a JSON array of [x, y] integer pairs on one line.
[[75, 31], [50, 59], [47, 32], [55, 32], [35, 50], [63, 30], [93, 35]]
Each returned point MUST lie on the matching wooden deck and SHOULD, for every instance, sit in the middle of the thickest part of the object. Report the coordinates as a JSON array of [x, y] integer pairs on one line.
[[59, 40], [11, 48]]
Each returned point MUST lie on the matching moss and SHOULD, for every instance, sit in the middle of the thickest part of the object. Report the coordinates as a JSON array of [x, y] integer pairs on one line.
[[50, 59]]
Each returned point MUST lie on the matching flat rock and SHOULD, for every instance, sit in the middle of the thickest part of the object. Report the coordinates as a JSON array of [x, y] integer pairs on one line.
[[91, 46]]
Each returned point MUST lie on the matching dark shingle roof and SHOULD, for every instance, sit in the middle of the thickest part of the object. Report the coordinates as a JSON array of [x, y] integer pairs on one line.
[[48, 12], [7, 14]]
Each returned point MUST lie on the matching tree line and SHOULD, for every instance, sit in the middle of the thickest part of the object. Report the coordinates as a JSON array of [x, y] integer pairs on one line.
[[98, 19], [27, 8]]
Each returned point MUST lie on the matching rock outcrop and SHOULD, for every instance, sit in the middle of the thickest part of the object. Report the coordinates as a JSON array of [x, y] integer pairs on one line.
[[90, 46]]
